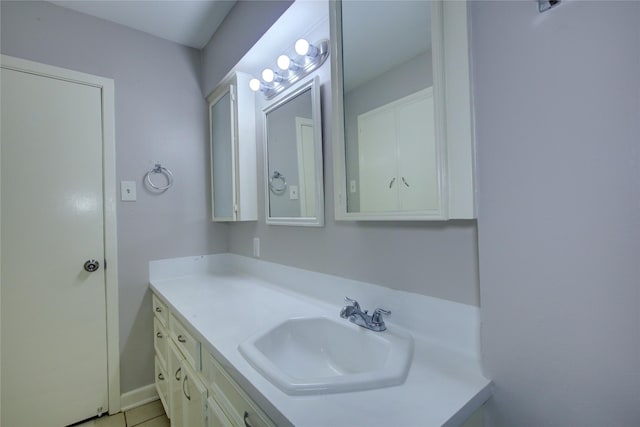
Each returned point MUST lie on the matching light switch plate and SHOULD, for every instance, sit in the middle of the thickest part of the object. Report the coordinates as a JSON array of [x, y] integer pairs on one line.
[[128, 191], [352, 186], [293, 192]]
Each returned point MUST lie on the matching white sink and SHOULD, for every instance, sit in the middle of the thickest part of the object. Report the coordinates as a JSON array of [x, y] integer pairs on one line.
[[322, 355]]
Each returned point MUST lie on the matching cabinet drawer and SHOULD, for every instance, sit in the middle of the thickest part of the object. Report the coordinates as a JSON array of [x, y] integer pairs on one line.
[[239, 407], [160, 341], [188, 345], [162, 384], [160, 310]]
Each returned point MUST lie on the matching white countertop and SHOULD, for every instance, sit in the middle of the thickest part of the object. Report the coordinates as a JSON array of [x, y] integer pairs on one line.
[[226, 299]]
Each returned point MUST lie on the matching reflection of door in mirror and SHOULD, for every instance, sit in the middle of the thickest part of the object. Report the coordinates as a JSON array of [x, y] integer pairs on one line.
[[390, 142], [306, 166], [286, 136]]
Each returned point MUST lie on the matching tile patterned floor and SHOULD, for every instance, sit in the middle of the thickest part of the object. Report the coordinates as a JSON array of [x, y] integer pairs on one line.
[[149, 415]]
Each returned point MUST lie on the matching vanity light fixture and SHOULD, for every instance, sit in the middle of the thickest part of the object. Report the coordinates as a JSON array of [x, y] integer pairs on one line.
[[304, 48], [310, 58], [285, 63], [256, 85], [269, 76]]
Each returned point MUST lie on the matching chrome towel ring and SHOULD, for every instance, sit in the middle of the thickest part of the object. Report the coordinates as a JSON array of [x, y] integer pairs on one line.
[[277, 183], [158, 168]]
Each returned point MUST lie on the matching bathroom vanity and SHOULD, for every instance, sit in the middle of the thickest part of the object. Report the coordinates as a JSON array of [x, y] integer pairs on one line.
[[207, 308]]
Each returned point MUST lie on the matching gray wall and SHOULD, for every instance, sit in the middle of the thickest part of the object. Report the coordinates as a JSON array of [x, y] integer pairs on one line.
[[160, 115], [558, 134], [247, 21], [436, 259]]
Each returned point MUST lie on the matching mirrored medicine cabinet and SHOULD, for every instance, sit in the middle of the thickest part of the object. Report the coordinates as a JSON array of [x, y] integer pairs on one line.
[[402, 124], [233, 150], [293, 157]]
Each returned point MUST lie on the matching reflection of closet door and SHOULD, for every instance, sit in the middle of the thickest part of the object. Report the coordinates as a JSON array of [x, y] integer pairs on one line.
[[417, 162], [54, 332], [377, 154]]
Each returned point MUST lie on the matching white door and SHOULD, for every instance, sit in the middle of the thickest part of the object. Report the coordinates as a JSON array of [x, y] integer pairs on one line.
[[54, 342], [417, 161], [306, 166], [377, 160]]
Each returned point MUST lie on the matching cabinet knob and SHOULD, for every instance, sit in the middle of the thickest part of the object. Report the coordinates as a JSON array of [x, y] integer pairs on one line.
[[158, 310], [182, 339], [159, 334], [160, 376]]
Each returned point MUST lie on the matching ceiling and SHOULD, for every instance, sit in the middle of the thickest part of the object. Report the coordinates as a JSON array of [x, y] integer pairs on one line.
[[187, 22]]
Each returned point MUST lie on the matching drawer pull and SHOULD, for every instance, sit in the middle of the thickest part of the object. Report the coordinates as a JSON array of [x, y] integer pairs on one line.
[[158, 309], [178, 374], [160, 376], [186, 377], [159, 334], [182, 339], [246, 417]]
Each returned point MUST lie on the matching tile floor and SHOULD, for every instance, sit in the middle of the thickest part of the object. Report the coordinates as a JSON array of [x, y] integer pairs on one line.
[[149, 415]]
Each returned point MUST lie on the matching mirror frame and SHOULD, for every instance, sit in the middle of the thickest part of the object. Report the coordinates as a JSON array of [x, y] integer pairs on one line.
[[313, 86], [453, 118]]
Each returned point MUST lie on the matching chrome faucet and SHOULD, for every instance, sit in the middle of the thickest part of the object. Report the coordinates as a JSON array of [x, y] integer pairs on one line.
[[355, 315]]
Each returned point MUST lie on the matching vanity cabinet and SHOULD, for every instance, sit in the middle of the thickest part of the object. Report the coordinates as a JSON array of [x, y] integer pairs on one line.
[[238, 406], [194, 388], [233, 150], [161, 346]]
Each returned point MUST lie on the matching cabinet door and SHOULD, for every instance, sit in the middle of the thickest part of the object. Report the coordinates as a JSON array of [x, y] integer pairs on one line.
[[175, 385], [418, 180], [215, 417], [162, 385], [223, 179], [194, 398], [377, 153]]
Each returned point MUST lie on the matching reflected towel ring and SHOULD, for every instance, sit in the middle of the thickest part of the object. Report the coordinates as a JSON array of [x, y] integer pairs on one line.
[[277, 183], [161, 170]]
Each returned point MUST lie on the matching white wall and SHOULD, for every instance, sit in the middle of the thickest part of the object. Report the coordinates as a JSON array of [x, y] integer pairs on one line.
[[558, 133], [161, 115]]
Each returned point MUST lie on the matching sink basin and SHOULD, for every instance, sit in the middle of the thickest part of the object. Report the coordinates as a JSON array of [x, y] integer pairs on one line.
[[322, 355]]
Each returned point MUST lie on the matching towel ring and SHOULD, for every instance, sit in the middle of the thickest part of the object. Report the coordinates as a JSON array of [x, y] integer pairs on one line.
[[277, 183], [161, 170]]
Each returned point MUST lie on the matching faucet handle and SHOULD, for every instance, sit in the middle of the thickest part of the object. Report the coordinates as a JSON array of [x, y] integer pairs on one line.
[[353, 302], [376, 317]]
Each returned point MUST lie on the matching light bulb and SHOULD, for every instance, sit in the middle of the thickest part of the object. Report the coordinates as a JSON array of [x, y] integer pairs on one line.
[[254, 85], [302, 47], [284, 62], [268, 75]]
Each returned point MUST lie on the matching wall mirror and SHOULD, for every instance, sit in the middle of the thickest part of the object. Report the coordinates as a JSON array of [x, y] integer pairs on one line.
[[392, 99], [293, 158]]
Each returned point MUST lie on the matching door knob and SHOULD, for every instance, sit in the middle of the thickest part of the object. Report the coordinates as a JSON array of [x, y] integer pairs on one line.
[[91, 265]]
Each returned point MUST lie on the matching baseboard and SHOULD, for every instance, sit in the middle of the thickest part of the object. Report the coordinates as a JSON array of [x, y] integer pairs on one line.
[[138, 397]]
